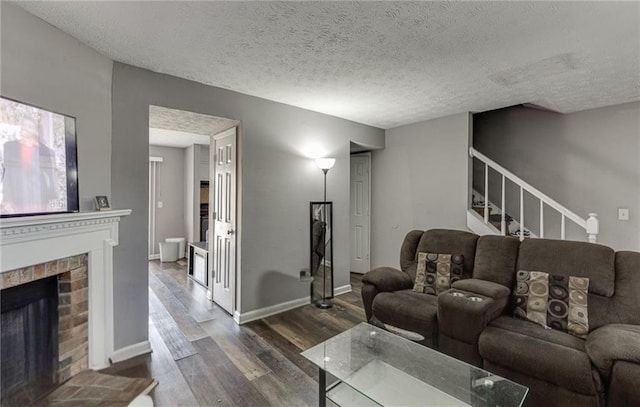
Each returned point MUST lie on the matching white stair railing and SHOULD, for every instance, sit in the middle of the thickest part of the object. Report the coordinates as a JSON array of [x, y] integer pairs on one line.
[[590, 225]]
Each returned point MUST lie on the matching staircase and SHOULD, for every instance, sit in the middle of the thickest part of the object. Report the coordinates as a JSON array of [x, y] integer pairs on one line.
[[487, 218], [476, 215]]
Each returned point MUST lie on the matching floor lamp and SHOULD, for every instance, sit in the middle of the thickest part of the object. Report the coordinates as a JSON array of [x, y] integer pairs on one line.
[[325, 164]]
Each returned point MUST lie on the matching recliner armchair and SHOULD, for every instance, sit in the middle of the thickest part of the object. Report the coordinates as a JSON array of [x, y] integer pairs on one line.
[[387, 293]]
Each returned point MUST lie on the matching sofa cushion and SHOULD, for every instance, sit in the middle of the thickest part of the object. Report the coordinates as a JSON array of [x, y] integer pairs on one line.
[[580, 259], [625, 307], [611, 343], [496, 259], [408, 310], [436, 272], [546, 354], [387, 279], [441, 241], [408, 252], [553, 300]]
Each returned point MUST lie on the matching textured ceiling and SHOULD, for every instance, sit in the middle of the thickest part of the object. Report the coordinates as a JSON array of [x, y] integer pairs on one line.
[[178, 128], [379, 63], [178, 139]]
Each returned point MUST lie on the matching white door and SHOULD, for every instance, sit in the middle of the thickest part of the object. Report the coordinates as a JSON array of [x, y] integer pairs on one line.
[[223, 237], [360, 212]]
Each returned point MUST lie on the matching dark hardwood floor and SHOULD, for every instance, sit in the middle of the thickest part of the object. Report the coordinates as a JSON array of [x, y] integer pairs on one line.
[[201, 357]]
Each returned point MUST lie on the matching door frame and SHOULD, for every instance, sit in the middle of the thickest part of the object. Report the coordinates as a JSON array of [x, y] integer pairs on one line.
[[368, 155], [238, 226]]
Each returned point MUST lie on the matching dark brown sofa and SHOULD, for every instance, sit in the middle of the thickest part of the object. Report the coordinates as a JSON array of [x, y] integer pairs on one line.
[[559, 368]]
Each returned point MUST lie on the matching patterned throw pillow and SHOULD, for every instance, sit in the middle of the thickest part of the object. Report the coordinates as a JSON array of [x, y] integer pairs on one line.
[[555, 301], [436, 272]]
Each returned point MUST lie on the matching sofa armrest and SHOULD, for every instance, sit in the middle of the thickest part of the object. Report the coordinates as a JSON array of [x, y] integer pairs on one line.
[[612, 343], [382, 279], [482, 287], [468, 307], [387, 279]]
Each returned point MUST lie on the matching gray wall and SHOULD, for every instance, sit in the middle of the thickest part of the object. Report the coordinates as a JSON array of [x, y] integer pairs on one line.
[[419, 181], [170, 220], [278, 182], [587, 161], [43, 66]]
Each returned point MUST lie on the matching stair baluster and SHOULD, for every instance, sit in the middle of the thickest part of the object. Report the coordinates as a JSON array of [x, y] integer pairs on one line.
[[590, 225]]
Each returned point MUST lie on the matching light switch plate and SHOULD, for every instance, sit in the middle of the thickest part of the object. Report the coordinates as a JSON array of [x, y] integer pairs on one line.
[[623, 214], [160, 204]]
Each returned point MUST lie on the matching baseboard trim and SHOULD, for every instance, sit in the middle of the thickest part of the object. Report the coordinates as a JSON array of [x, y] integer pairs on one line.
[[243, 318], [154, 257], [131, 351], [260, 313], [342, 290]]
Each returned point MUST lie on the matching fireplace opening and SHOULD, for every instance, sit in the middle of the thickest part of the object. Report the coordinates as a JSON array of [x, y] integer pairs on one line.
[[29, 341]]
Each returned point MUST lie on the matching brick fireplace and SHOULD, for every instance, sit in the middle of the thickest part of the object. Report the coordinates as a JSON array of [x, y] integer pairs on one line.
[[78, 249], [69, 279], [73, 315], [73, 308]]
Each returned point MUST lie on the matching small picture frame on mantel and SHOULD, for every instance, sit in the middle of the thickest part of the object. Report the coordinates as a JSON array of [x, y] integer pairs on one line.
[[102, 203]]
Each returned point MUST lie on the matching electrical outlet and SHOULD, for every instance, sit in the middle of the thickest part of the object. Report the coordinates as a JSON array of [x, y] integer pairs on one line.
[[305, 275], [623, 214], [160, 204]]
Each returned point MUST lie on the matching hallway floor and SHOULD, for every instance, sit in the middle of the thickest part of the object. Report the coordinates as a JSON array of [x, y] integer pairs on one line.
[[202, 357]]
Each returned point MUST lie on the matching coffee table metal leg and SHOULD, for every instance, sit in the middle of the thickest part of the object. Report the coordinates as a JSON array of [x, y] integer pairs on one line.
[[322, 388]]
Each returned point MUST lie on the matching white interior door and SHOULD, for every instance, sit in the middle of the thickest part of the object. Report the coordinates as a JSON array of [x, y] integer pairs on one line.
[[360, 217], [222, 244]]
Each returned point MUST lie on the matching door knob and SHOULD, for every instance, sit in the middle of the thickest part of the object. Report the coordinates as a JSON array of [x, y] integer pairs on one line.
[[230, 231]]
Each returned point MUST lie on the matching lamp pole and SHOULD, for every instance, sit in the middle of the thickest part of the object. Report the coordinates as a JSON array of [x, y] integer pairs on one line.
[[325, 165]]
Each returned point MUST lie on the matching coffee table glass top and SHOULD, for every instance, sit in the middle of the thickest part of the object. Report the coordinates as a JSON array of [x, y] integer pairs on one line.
[[375, 367]]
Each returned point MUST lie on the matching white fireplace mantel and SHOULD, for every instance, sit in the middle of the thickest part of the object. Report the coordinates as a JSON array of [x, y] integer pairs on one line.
[[27, 241]]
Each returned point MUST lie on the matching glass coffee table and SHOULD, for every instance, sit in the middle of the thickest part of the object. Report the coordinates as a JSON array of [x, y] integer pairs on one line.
[[374, 367]]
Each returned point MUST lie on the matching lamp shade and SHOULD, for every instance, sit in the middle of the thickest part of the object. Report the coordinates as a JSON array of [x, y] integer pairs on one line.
[[325, 163]]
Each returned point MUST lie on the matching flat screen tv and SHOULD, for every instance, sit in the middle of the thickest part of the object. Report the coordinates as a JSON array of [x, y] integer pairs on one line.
[[38, 161]]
